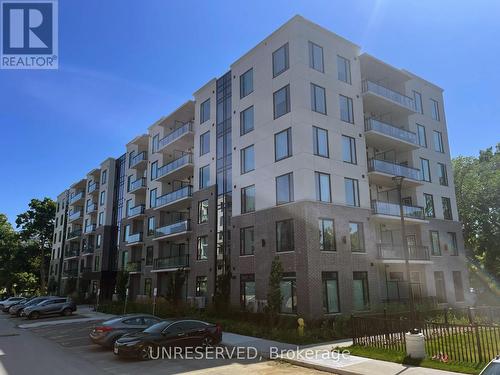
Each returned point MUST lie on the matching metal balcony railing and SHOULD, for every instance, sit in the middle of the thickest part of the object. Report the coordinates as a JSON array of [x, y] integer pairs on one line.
[[175, 195], [390, 130], [173, 135], [167, 230], [173, 165], [137, 159], [403, 100], [391, 251], [384, 166], [171, 262], [392, 209]]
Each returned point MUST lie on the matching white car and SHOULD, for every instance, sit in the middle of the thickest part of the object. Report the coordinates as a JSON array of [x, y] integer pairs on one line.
[[493, 368]]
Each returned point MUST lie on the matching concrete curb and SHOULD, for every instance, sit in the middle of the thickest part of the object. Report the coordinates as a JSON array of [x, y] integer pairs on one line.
[[58, 322]]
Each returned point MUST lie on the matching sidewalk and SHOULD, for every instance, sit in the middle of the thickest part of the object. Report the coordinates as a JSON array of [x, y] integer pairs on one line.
[[320, 357]]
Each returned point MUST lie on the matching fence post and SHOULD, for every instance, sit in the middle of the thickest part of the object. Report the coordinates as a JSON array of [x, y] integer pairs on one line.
[[478, 342]]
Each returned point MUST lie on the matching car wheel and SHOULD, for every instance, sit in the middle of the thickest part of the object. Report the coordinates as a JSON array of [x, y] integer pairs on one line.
[[67, 312], [34, 315], [207, 342]]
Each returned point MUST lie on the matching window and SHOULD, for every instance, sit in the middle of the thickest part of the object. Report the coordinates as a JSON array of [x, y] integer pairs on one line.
[[248, 199], [151, 226], [357, 237], [203, 211], [148, 286], [102, 198], [104, 176], [360, 293], [204, 176], [417, 98], [452, 243], [205, 143], [320, 142], [205, 111], [100, 219], [98, 241], [247, 159], [435, 245], [201, 286], [349, 150], [96, 263], [440, 286], [343, 69], [154, 142], [326, 235], [284, 236], [280, 60], [351, 192], [429, 205], [316, 57], [438, 141], [246, 121], [281, 101], [426, 170], [288, 290], [149, 256], [246, 83], [446, 208], [247, 241], [346, 110], [318, 99], [202, 248], [154, 170], [152, 198], [458, 286], [323, 193], [330, 292], [422, 138], [283, 144], [442, 174], [247, 291], [284, 188], [435, 110]]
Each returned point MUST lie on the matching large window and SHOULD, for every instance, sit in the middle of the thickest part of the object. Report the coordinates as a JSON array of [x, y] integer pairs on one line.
[[284, 188], [247, 159], [323, 192], [201, 286], [280, 60], [360, 292], [284, 236], [429, 205], [247, 291], [154, 170], [326, 235], [149, 256], [204, 176], [442, 174], [356, 234], [148, 286], [102, 198], [458, 285], [343, 69], [351, 192], [288, 290], [283, 144], [246, 83], [318, 99], [203, 211], [246, 121], [202, 248], [435, 110], [151, 226], [104, 177], [417, 98], [247, 246], [426, 170], [248, 199], [452, 243], [205, 143], [316, 57], [446, 208], [346, 110], [349, 150], [438, 141], [440, 286], [320, 142], [330, 283], [152, 198], [281, 101], [205, 111], [435, 243], [421, 136], [100, 219]]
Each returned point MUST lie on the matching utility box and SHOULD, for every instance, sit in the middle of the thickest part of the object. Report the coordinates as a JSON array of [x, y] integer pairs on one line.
[[415, 345]]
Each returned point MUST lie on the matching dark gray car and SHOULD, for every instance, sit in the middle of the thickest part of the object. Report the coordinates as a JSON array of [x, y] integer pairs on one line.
[[108, 332], [18, 309], [60, 306]]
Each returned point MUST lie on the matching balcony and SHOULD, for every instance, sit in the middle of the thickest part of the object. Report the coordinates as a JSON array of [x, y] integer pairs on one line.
[[381, 173], [178, 139], [391, 212], [176, 169], [92, 208], [378, 98], [391, 253], [74, 234], [138, 160], [89, 228], [73, 272], [87, 249], [173, 197], [138, 185], [76, 197], [71, 253], [75, 215], [134, 239], [93, 187], [171, 230], [134, 267], [170, 263], [136, 210], [388, 137]]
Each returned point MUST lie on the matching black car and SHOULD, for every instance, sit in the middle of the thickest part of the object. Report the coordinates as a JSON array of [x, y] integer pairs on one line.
[[168, 334]]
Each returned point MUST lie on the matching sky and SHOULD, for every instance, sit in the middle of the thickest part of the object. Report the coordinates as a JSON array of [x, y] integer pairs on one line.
[[123, 64]]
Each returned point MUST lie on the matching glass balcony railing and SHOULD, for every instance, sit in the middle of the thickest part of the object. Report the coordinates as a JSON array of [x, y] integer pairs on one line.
[[74, 233], [86, 269], [137, 184], [136, 210], [392, 131], [71, 272], [94, 186], [75, 215], [384, 166], [141, 156], [90, 228], [76, 197], [167, 230], [392, 209], [134, 238], [173, 165], [403, 100], [173, 135], [88, 249], [171, 262], [69, 253], [91, 208], [392, 251], [134, 266], [175, 195]]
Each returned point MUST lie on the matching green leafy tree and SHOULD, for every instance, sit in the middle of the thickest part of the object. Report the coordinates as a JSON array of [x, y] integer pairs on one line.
[[274, 297], [37, 228], [122, 279], [9, 243]]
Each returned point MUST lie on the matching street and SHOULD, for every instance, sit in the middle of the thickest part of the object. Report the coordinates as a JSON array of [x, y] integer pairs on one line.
[[66, 349]]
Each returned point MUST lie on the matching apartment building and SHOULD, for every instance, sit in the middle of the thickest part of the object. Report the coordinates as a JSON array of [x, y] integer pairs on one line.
[[303, 151]]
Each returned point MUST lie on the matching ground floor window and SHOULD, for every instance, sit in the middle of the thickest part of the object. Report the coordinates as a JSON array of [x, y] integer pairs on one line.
[[360, 292], [288, 293], [330, 292], [440, 286], [247, 291], [201, 286], [148, 287], [458, 285]]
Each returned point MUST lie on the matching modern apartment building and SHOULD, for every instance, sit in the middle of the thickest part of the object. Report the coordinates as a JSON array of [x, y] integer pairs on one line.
[[298, 151]]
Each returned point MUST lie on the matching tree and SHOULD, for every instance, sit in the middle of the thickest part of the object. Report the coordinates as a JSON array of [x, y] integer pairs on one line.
[[274, 297], [37, 227], [122, 282], [9, 243]]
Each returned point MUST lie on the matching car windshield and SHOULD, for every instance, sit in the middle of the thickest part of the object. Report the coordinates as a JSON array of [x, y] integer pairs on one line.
[[34, 301], [492, 369], [112, 321], [158, 327]]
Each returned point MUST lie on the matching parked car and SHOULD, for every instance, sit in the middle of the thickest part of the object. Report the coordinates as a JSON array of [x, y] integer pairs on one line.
[[52, 306], [108, 332], [5, 305], [493, 368], [18, 309], [169, 333]]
